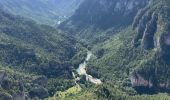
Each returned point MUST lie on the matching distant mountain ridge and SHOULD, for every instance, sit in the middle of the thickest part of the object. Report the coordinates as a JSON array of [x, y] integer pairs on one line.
[[43, 11]]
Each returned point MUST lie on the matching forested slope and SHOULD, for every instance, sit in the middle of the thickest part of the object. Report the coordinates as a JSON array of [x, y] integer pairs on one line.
[[34, 59]]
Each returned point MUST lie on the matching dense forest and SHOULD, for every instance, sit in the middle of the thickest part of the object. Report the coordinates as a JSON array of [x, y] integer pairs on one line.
[[101, 50]]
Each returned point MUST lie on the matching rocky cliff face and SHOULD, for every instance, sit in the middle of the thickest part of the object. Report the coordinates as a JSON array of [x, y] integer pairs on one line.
[[151, 29], [137, 80], [147, 85], [94, 15], [151, 26], [107, 13]]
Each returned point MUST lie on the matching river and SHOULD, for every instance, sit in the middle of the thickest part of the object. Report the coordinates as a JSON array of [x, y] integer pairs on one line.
[[82, 70]]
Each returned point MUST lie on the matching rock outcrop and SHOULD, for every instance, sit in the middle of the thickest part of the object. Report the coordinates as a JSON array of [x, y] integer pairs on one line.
[[151, 28], [143, 85], [137, 81], [149, 33], [145, 31], [140, 28]]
